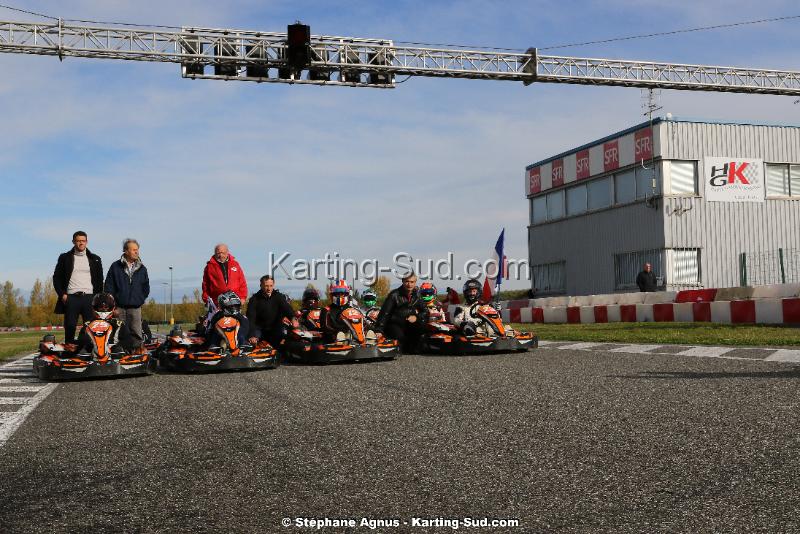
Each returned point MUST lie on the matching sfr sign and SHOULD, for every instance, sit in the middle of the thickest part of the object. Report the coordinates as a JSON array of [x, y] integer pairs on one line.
[[611, 155], [534, 180]]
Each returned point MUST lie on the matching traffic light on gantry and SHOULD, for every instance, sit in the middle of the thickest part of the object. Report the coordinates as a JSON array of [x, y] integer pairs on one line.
[[298, 47]]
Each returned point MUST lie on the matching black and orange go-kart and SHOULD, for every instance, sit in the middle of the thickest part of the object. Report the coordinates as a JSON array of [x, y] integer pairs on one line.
[[355, 343], [491, 336], [188, 352], [57, 361]]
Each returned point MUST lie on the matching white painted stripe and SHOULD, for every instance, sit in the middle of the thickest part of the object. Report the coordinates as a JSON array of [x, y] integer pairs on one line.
[[20, 389], [636, 349], [15, 400], [580, 346], [17, 372], [9, 426], [544, 342], [784, 355], [706, 352]]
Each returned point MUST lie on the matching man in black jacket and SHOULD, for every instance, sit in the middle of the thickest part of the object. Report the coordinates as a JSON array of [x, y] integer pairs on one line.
[[646, 280], [403, 315], [266, 311], [77, 277], [128, 282]]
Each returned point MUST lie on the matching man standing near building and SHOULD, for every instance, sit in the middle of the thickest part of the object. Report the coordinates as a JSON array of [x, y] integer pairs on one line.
[[128, 282], [646, 280], [223, 273], [77, 277], [266, 311]]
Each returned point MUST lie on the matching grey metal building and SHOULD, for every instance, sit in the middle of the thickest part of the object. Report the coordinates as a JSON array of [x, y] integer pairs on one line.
[[708, 204]]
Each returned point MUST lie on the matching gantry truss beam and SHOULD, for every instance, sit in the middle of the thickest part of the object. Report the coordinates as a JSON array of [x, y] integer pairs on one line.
[[260, 56]]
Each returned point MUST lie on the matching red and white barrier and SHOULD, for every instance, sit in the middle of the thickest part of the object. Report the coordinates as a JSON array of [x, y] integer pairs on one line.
[[761, 311]]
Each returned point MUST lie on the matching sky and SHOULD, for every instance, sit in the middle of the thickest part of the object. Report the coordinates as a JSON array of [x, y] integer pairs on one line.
[[127, 149]]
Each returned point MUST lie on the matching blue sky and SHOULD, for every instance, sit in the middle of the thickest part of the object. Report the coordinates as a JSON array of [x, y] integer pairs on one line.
[[131, 149]]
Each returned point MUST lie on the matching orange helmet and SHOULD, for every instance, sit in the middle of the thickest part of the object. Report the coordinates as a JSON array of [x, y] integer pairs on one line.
[[340, 293]]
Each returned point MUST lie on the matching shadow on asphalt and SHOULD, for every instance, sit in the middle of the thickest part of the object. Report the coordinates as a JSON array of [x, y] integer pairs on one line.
[[677, 375]]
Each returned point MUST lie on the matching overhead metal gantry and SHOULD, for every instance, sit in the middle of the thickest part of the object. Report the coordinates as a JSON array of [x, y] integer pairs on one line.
[[227, 54]]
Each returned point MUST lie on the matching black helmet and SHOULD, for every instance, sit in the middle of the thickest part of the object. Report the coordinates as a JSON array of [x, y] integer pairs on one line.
[[369, 297], [103, 305], [469, 285], [310, 294], [229, 302]]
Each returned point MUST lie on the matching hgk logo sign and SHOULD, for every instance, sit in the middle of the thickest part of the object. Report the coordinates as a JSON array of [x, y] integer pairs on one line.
[[611, 155], [558, 173], [734, 180], [582, 164], [728, 174]]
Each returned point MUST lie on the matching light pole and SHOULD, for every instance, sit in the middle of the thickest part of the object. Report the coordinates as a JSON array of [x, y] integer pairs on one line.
[[171, 315], [165, 284]]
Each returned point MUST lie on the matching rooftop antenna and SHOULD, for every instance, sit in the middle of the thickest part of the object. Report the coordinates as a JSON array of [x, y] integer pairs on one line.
[[651, 104]]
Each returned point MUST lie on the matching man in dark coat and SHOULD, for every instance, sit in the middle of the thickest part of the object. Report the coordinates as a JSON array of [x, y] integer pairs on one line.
[[646, 280], [128, 282], [266, 311], [403, 315], [77, 277]]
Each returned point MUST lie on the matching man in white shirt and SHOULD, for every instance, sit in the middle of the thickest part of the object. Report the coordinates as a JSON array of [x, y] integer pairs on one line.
[[77, 277]]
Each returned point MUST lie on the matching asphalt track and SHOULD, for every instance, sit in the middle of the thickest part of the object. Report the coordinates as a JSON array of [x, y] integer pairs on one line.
[[562, 440]]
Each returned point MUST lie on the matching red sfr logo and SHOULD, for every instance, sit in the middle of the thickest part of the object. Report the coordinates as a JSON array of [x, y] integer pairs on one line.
[[611, 155]]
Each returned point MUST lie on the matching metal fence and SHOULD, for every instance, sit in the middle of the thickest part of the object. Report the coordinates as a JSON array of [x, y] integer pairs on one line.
[[781, 266]]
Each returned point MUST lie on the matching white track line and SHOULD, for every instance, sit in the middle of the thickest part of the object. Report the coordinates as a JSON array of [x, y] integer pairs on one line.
[[706, 352], [784, 355], [14, 378], [636, 349], [13, 422]]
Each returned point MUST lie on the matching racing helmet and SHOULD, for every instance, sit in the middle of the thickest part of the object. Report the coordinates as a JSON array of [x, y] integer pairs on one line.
[[427, 291], [230, 303], [103, 305], [340, 293], [369, 298], [472, 289], [310, 297]]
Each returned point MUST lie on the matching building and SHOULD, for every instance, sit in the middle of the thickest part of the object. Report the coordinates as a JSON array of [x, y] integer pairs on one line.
[[708, 204]]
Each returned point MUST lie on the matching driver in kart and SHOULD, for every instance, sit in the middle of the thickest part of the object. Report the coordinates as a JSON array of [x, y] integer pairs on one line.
[[427, 292], [103, 306], [462, 316], [369, 299], [229, 305], [308, 306], [330, 319]]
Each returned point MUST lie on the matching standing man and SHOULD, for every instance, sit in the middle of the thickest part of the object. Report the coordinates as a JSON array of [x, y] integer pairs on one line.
[[403, 315], [266, 311], [128, 282], [223, 273], [77, 277], [646, 279]]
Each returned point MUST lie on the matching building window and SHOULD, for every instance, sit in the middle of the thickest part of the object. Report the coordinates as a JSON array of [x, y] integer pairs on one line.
[[576, 200], [647, 182], [625, 187], [549, 277], [783, 180], [628, 265], [683, 177], [684, 266], [539, 207], [555, 205], [599, 193]]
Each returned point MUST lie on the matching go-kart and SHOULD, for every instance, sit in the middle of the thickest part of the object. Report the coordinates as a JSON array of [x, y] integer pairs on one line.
[[491, 336], [352, 343], [190, 352], [58, 361]]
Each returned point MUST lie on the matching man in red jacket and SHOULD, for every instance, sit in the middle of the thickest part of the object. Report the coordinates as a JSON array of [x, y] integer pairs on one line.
[[223, 273]]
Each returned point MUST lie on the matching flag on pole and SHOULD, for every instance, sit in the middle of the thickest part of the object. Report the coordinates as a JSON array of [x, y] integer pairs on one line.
[[498, 272]]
